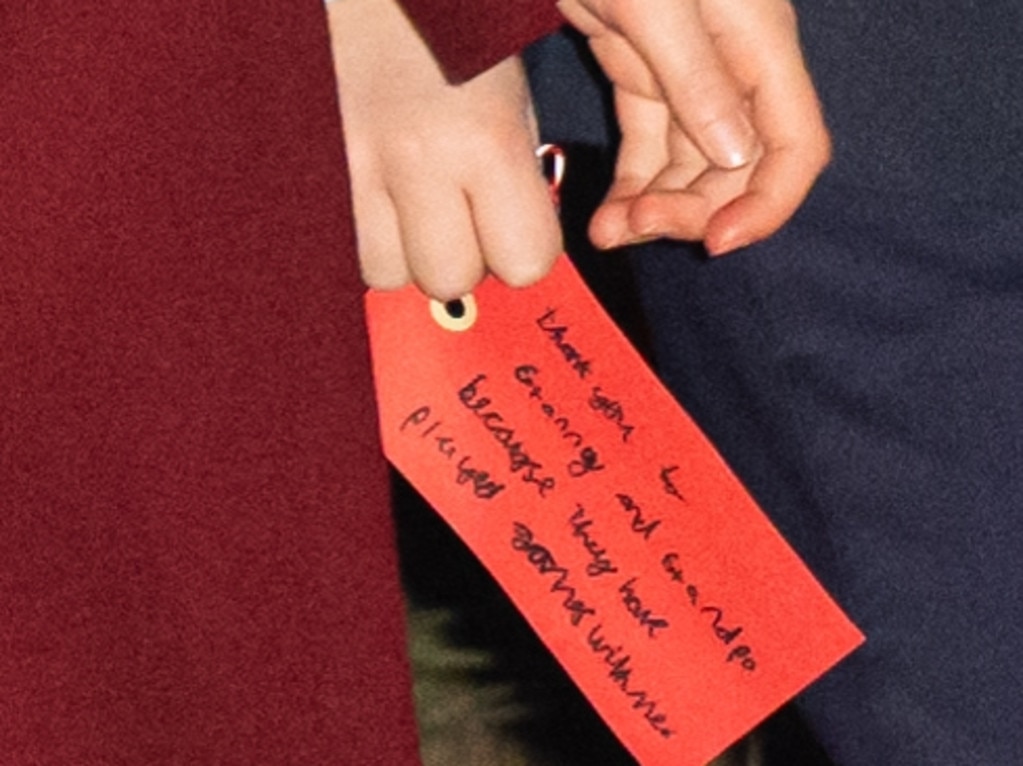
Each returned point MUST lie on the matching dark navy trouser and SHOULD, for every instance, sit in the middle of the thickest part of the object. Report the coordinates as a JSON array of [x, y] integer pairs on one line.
[[863, 370]]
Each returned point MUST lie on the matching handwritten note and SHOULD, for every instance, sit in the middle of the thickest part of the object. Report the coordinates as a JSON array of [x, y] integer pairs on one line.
[[547, 444]]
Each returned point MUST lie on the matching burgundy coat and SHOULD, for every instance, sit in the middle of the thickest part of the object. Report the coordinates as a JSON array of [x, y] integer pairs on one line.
[[196, 555]]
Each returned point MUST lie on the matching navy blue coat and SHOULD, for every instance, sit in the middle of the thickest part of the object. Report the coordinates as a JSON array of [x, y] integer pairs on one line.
[[862, 370]]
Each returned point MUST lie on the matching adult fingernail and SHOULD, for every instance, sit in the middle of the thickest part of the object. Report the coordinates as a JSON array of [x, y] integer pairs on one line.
[[730, 142], [640, 239], [727, 243]]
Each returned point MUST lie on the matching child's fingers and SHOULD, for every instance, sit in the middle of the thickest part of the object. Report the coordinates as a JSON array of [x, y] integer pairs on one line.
[[512, 206], [381, 254], [438, 237], [443, 176], [515, 219]]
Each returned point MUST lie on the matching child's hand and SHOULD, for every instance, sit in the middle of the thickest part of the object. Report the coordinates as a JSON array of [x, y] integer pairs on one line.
[[722, 134], [445, 184]]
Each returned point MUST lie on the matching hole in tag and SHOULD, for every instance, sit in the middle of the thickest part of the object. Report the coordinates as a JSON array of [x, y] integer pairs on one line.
[[457, 315]]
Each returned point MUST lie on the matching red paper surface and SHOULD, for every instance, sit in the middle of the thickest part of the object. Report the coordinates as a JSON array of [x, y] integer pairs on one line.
[[548, 445]]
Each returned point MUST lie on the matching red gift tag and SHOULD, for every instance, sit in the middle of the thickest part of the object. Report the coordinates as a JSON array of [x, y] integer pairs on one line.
[[529, 422]]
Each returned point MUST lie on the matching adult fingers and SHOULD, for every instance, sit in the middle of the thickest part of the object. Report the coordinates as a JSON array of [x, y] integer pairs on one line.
[[675, 203], [779, 184], [678, 206], [642, 154], [704, 98], [654, 156], [787, 113]]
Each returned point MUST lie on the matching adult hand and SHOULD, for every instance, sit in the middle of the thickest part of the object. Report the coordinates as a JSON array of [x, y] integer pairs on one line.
[[722, 133], [445, 184]]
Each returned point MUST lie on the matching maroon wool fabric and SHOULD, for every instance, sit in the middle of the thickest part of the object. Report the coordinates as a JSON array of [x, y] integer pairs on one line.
[[452, 29], [196, 553]]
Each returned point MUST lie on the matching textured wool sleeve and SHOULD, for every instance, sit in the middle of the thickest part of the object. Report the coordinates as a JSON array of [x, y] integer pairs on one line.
[[196, 554], [469, 36]]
